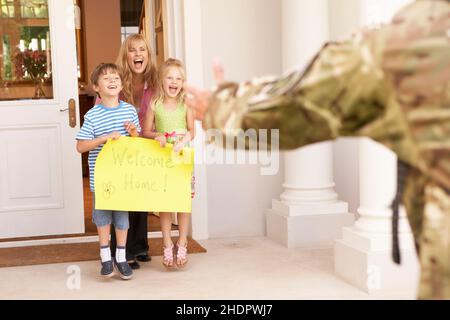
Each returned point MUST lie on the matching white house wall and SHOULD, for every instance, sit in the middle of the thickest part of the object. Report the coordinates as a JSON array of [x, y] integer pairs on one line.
[[247, 37]]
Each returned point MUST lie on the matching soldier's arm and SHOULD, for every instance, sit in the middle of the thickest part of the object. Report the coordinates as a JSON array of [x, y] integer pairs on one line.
[[337, 94]]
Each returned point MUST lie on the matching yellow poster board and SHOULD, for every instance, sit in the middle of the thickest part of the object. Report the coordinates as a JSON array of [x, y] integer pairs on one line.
[[136, 174]]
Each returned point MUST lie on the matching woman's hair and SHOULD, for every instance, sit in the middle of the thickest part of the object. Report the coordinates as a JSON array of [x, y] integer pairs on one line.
[[150, 74], [162, 72]]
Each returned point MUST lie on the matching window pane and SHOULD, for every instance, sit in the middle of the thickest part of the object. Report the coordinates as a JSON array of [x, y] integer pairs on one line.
[[7, 8], [25, 66], [34, 9]]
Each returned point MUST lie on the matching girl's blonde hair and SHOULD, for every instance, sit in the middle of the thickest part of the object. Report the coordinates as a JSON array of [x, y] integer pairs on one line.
[[150, 74], [162, 72]]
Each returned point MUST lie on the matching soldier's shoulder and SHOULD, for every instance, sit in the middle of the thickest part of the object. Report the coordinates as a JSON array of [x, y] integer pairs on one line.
[[421, 14], [425, 20]]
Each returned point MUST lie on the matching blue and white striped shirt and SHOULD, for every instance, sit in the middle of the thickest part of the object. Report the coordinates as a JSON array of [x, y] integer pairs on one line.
[[100, 121]]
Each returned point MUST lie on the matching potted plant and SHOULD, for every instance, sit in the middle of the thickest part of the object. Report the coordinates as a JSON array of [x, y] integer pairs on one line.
[[32, 64]]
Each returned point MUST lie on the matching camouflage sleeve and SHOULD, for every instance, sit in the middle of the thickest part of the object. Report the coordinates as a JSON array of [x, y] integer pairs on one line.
[[337, 94]]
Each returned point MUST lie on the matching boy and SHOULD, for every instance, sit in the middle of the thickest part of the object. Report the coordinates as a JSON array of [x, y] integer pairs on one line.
[[108, 120]]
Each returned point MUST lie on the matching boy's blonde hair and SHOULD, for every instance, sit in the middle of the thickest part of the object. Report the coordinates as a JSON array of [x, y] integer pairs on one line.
[[162, 72], [150, 74]]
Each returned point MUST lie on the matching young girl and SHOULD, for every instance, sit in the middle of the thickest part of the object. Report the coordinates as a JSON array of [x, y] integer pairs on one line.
[[174, 123]]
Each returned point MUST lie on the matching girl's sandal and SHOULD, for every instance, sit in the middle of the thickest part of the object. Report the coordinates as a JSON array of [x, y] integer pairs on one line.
[[181, 255], [168, 257]]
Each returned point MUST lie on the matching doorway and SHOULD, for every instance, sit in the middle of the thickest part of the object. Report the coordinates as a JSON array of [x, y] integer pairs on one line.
[[55, 205], [127, 17]]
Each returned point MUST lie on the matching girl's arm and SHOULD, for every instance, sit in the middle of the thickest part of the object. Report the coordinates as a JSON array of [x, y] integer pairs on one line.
[[88, 145], [190, 135], [147, 127]]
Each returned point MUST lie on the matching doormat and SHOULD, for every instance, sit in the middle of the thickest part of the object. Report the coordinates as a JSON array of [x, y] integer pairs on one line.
[[73, 252]]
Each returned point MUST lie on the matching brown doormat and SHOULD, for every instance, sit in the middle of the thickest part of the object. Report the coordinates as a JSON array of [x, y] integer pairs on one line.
[[74, 252]]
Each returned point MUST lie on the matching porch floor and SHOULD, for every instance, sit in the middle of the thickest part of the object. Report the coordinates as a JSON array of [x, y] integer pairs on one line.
[[233, 268]]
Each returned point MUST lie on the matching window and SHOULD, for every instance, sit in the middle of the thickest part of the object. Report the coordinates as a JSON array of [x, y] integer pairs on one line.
[[25, 66], [26, 9], [34, 9], [126, 31], [130, 13], [7, 8]]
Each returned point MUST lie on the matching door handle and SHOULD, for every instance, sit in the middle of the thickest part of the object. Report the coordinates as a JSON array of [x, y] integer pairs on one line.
[[72, 113]]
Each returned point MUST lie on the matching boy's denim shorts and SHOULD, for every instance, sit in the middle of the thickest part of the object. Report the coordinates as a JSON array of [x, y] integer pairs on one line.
[[103, 218]]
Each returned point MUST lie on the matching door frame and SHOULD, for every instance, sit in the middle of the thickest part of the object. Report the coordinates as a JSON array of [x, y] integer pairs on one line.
[[184, 41]]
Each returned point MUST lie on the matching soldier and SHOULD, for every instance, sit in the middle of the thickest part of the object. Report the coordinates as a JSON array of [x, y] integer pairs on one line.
[[390, 84]]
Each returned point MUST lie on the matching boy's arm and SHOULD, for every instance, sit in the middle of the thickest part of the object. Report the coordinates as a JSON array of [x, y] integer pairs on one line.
[[133, 127], [88, 145], [86, 140]]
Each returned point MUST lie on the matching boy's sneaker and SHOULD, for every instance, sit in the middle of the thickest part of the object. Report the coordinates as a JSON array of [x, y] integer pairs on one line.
[[107, 269], [123, 269]]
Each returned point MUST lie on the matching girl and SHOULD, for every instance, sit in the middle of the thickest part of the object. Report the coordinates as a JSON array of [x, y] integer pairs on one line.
[[174, 123], [136, 63]]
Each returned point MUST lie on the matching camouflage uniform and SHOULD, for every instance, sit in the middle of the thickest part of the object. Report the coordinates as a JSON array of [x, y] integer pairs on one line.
[[390, 84]]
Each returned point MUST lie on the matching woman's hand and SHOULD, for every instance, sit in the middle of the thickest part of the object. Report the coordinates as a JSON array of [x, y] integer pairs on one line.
[[130, 127], [162, 140]]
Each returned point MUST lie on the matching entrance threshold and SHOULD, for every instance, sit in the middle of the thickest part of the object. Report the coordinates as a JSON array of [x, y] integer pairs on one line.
[[65, 239]]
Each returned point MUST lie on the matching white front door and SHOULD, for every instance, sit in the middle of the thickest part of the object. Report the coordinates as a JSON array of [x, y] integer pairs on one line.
[[40, 170]]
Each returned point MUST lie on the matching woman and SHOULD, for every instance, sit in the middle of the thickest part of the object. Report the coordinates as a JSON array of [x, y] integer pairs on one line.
[[139, 74]]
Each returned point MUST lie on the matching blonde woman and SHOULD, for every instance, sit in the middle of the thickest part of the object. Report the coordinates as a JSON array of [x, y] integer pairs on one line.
[[137, 64]]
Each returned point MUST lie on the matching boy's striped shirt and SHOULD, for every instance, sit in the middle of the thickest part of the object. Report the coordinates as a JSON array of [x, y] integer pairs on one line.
[[100, 121]]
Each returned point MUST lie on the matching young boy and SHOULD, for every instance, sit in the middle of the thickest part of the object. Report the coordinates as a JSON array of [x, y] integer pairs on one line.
[[108, 120]]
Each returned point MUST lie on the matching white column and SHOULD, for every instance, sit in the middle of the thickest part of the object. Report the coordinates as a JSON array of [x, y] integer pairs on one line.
[[193, 44], [378, 183], [364, 256], [309, 175], [308, 212]]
